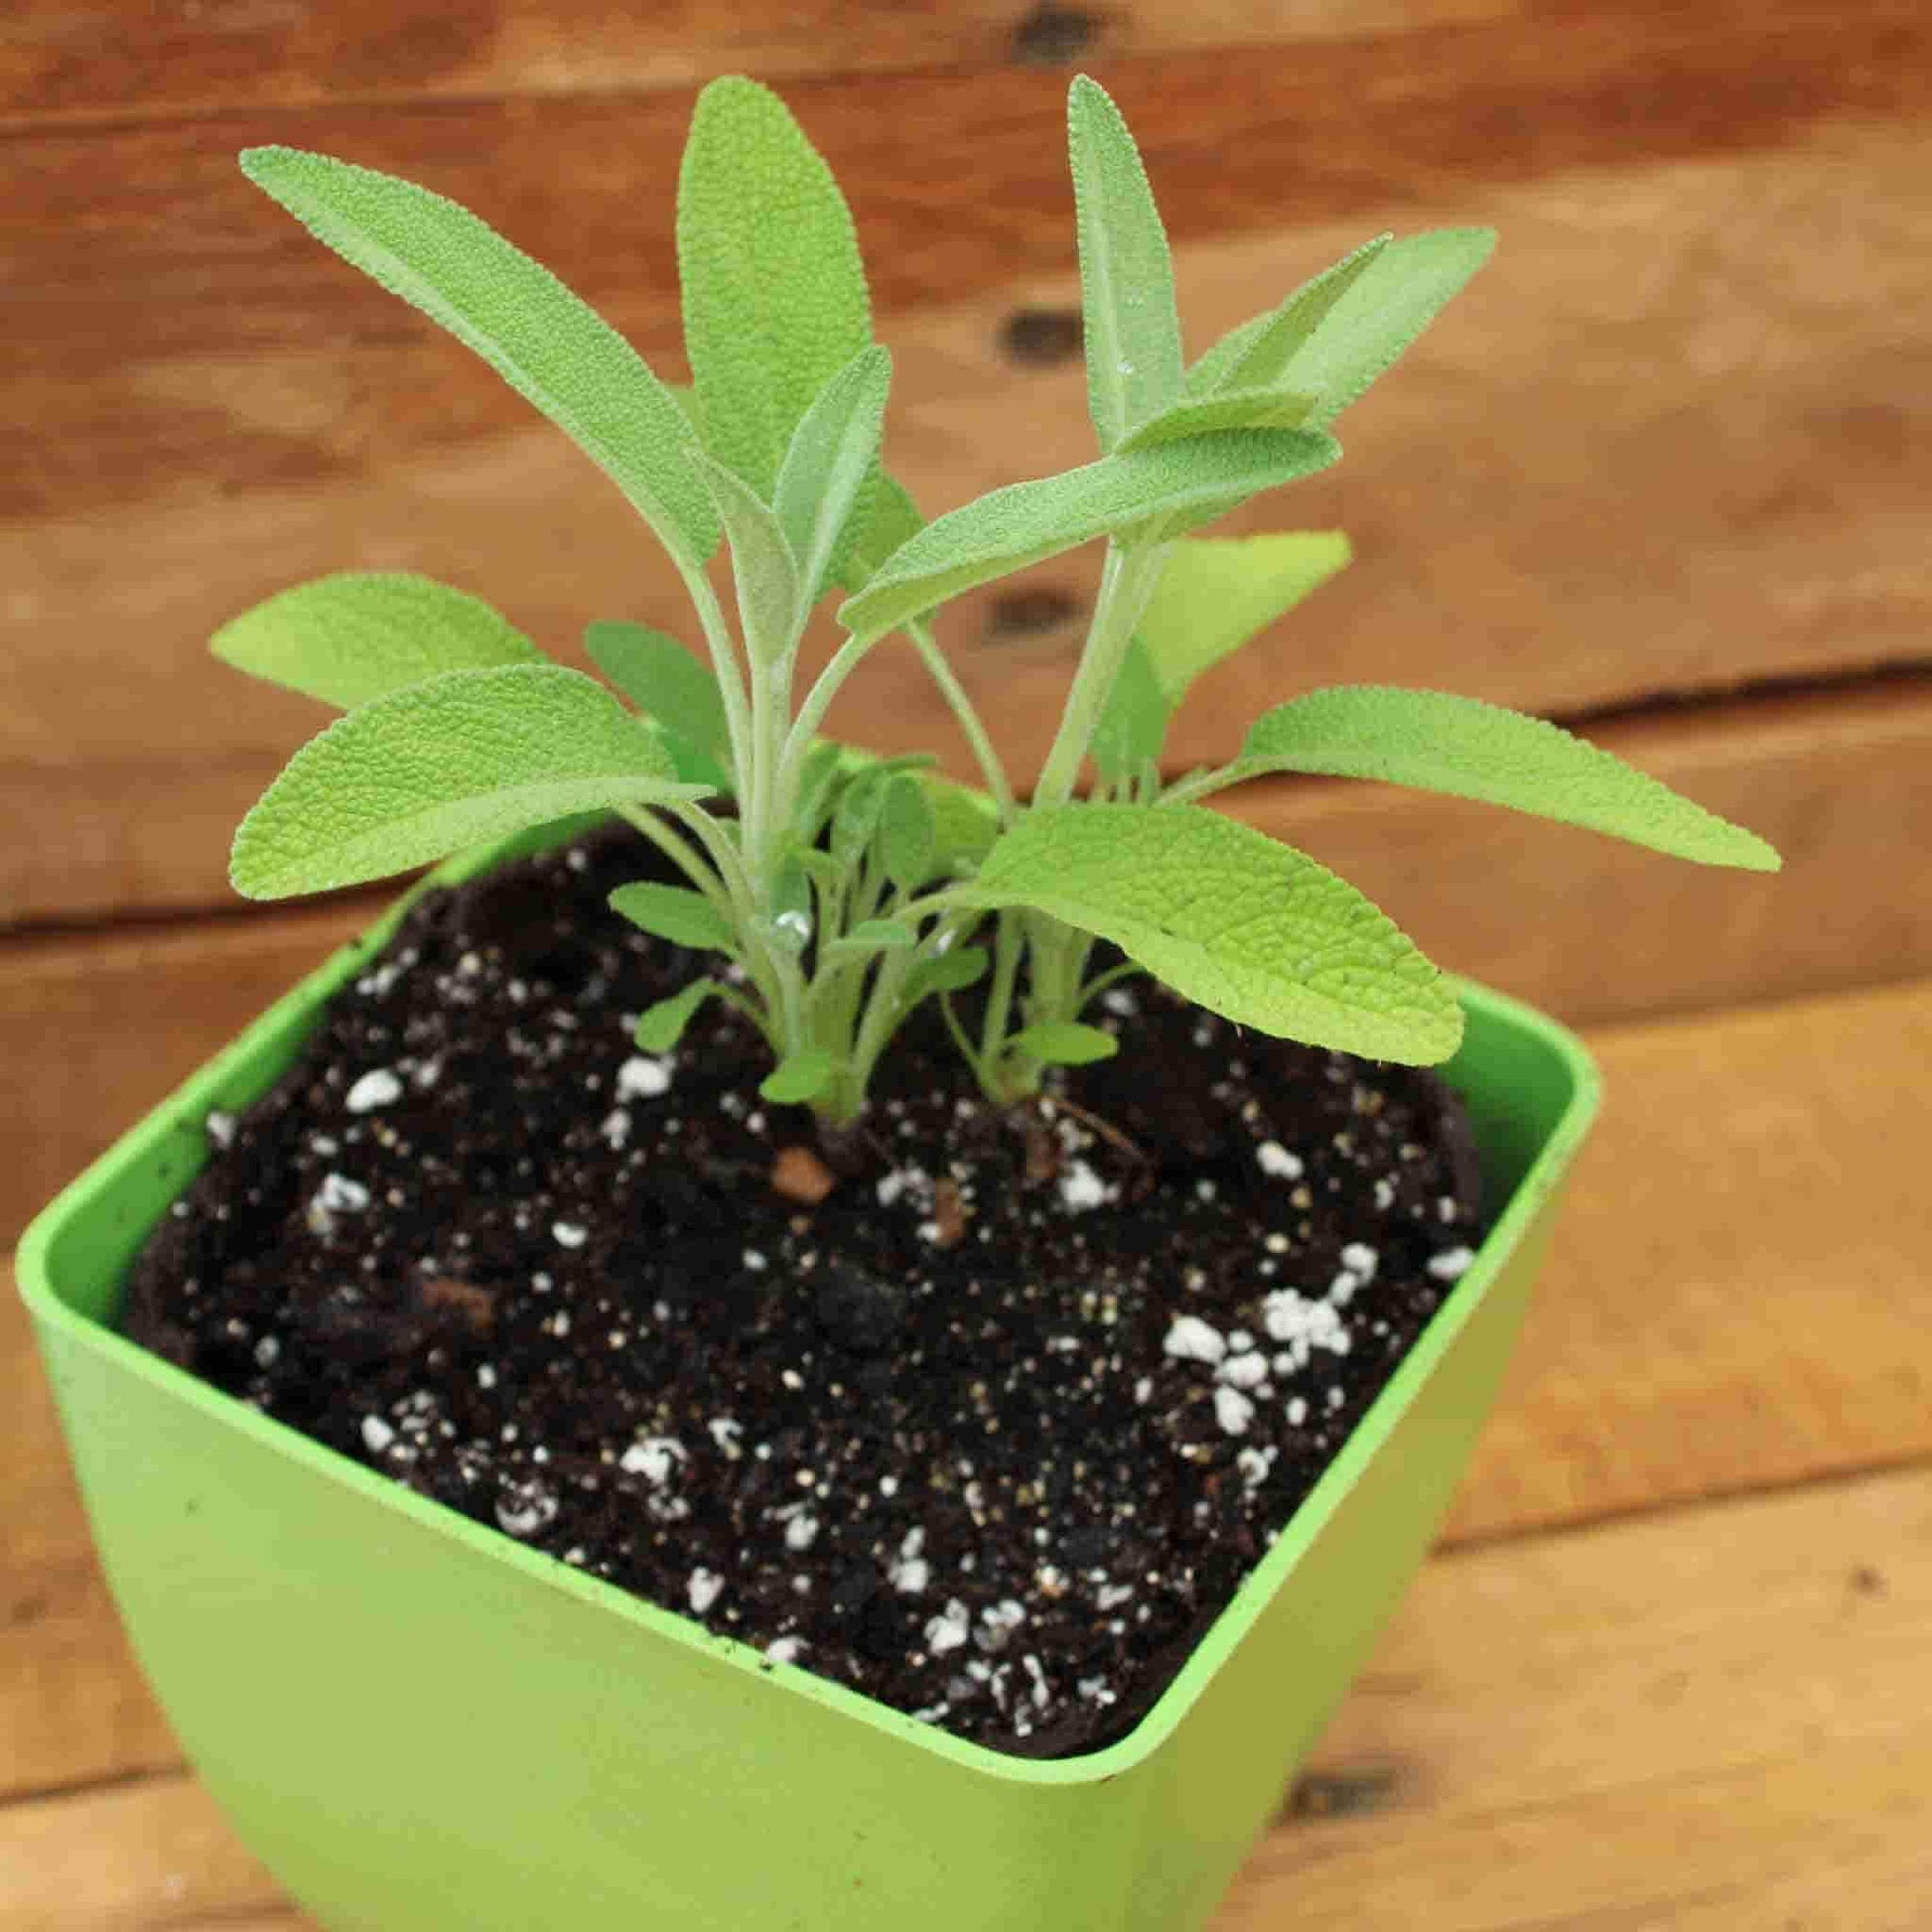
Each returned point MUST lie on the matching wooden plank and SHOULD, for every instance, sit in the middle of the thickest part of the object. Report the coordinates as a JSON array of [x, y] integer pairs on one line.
[[1703, 1328], [1720, 1718], [1673, 441], [90, 59]]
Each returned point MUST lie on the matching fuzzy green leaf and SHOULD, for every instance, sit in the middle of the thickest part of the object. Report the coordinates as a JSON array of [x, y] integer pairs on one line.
[[546, 344], [952, 971], [672, 686], [1216, 592], [889, 518], [798, 1076], [674, 913], [1131, 327], [775, 293], [820, 779], [871, 936], [1230, 409], [908, 832], [1010, 529], [444, 765], [663, 1026], [1134, 724], [1065, 1043], [762, 566], [855, 819], [965, 823], [1387, 306], [820, 495], [358, 634], [1255, 354], [1439, 743], [1229, 918]]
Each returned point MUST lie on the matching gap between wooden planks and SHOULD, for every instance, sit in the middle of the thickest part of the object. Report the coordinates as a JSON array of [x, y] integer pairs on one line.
[[1733, 1302], [97, 1027], [1717, 1719]]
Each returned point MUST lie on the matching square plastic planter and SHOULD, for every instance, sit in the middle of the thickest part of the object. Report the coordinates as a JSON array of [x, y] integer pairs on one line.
[[423, 1726]]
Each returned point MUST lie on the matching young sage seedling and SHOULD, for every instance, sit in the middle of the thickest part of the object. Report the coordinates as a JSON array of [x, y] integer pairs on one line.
[[840, 890]]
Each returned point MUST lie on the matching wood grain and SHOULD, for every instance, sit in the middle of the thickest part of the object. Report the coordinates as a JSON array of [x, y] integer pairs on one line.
[[1675, 439], [1720, 1718], [1702, 1330], [90, 59]]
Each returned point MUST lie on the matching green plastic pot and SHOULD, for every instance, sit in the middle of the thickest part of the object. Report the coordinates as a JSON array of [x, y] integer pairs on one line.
[[421, 1725]]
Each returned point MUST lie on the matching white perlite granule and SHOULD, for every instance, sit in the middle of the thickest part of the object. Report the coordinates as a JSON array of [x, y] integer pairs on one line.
[[1191, 1339], [642, 1078], [376, 1088]]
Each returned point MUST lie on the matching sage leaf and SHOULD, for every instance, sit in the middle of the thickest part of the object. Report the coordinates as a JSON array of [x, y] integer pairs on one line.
[[1247, 927], [1387, 306], [887, 519], [871, 936], [951, 971], [1214, 594], [965, 822], [661, 1026], [1436, 741], [831, 455], [672, 686], [358, 635], [440, 766], [674, 913], [1232, 409], [762, 566], [549, 346], [855, 819], [1131, 327], [773, 290], [908, 832], [798, 1076], [1255, 354], [1065, 1043], [1134, 722], [1024, 522]]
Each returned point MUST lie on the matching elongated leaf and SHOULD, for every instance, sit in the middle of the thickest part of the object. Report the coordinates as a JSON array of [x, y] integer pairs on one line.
[[1065, 1042], [1227, 917], [674, 913], [775, 293], [952, 971], [1216, 592], [670, 685], [1230, 409], [1255, 354], [358, 635], [1132, 330], [1439, 743], [661, 1026], [822, 480], [798, 1076], [907, 833], [1388, 305], [1134, 724], [762, 566], [965, 822], [1018, 525], [890, 519], [855, 820], [871, 936], [546, 344], [440, 766]]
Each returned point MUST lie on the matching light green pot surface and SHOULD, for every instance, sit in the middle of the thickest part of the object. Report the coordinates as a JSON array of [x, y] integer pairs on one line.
[[423, 1726]]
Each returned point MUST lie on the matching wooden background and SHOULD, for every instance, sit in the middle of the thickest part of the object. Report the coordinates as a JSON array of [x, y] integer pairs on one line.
[[1663, 474]]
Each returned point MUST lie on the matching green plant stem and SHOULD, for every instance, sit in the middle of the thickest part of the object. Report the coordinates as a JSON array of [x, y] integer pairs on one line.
[[992, 769], [725, 668], [1198, 784], [1007, 947], [1126, 582], [676, 848]]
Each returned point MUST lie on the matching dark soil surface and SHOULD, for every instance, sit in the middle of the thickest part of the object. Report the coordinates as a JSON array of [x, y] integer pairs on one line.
[[991, 1432]]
